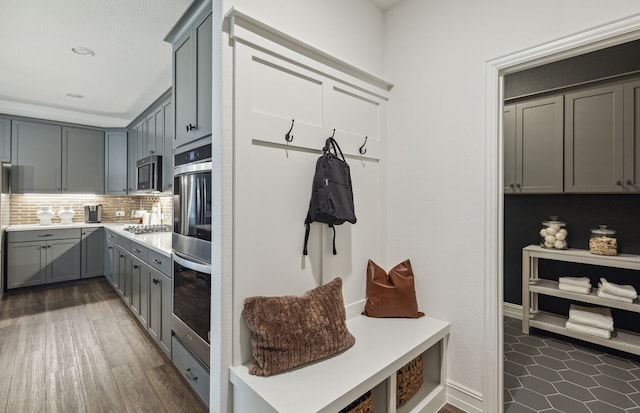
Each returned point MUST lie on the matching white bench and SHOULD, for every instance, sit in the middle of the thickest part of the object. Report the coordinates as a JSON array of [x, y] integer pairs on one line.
[[382, 347]]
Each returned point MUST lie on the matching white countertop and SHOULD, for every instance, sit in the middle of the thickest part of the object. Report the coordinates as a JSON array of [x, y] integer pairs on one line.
[[159, 241]]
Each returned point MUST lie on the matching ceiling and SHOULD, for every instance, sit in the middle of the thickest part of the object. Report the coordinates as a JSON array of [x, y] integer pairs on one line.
[[130, 69]]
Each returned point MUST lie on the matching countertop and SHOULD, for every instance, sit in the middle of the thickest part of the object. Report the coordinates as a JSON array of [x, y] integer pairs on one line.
[[158, 241]]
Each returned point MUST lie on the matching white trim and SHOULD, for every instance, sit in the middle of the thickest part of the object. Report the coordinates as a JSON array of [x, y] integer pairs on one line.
[[592, 39], [512, 310], [464, 398]]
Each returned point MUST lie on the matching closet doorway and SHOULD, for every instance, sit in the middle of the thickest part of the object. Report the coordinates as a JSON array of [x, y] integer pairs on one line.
[[586, 42]]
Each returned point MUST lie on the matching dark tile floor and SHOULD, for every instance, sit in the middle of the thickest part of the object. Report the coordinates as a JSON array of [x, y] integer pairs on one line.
[[544, 373]]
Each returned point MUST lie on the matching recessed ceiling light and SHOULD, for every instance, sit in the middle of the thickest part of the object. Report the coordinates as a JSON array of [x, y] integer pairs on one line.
[[75, 95], [82, 51]]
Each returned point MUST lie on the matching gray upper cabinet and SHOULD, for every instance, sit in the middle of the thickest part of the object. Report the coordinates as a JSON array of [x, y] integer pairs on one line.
[[115, 149], [509, 145], [192, 65], [5, 140], [594, 140], [82, 160], [153, 144], [36, 157], [133, 153], [167, 160], [632, 136], [533, 153]]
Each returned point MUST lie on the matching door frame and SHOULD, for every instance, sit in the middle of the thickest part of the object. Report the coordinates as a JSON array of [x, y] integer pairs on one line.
[[589, 40]]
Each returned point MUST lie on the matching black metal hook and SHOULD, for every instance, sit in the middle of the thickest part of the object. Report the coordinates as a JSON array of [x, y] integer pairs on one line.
[[362, 149], [333, 134], [288, 136]]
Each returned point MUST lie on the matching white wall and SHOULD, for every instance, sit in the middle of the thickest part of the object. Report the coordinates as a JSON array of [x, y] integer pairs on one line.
[[435, 54]]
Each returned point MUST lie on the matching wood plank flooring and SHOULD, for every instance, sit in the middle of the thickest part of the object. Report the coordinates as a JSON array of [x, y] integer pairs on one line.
[[79, 349]]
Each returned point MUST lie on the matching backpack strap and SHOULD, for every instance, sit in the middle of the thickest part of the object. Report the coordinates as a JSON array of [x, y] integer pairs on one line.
[[334, 239], [306, 238], [333, 144]]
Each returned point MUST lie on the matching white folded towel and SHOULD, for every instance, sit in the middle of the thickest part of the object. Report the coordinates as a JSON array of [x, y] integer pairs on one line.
[[626, 291], [579, 281], [574, 288], [599, 317], [592, 331], [602, 294]]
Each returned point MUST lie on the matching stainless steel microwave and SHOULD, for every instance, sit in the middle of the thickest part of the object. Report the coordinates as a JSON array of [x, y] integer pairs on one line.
[[150, 173]]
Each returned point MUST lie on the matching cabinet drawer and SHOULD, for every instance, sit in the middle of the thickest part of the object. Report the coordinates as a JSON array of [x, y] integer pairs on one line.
[[43, 234], [139, 250], [192, 371], [160, 262]]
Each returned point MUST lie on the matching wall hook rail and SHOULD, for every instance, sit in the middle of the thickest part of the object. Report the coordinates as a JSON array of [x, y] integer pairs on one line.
[[362, 149], [288, 136]]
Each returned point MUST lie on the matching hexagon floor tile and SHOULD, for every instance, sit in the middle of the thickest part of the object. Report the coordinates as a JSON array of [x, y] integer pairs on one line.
[[546, 374]]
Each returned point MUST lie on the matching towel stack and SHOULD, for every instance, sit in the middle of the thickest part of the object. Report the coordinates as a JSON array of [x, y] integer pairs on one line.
[[623, 293], [595, 321], [580, 285]]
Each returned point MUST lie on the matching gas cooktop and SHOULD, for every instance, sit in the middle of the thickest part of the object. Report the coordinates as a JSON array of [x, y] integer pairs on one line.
[[146, 229]]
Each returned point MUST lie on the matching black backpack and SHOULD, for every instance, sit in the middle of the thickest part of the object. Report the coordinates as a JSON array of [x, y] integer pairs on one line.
[[331, 195]]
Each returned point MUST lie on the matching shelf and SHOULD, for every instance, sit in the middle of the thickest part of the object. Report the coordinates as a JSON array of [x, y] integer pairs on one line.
[[382, 347], [550, 287], [628, 261], [622, 340]]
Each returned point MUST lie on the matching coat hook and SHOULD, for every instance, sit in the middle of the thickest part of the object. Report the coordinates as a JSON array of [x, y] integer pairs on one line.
[[288, 136], [333, 134], [362, 149]]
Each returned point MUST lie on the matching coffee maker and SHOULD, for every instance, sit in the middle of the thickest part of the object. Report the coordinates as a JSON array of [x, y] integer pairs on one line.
[[92, 213]]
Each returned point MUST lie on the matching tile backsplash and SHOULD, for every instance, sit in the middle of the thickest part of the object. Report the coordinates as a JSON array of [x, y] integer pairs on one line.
[[24, 207]]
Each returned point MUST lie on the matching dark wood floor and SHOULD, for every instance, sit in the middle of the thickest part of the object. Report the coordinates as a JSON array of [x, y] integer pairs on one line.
[[79, 349]]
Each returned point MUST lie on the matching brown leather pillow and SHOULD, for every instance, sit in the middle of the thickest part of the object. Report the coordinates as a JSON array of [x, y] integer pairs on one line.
[[290, 331], [392, 295]]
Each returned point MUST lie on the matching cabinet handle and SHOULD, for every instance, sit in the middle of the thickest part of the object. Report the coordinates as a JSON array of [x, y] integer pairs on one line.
[[45, 235], [190, 375], [124, 189], [110, 248], [152, 152], [48, 246], [629, 182], [44, 247], [619, 182], [156, 261], [136, 250], [191, 127], [121, 256], [135, 266], [518, 186]]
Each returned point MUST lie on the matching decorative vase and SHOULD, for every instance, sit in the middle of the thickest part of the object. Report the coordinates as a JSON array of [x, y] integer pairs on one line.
[[45, 213], [66, 214]]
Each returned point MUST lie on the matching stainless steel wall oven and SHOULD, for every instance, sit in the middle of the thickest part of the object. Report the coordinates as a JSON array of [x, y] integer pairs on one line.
[[191, 241]]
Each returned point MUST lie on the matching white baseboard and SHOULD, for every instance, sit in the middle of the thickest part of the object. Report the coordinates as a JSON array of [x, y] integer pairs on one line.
[[512, 310], [464, 398]]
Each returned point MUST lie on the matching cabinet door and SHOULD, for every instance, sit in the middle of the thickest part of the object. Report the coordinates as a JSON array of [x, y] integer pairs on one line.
[[124, 275], [132, 173], [136, 270], [26, 264], [82, 161], [594, 140], [143, 314], [155, 135], [36, 157], [63, 257], [203, 36], [539, 145], [109, 270], [167, 159], [5, 140], [509, 145], [115, 163], [92, 252], [166, 308], [155, 304], [183, 90], [632, 136]]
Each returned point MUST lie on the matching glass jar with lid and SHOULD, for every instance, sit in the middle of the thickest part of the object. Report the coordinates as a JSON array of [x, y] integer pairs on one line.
[[554, 234], [603, 241]]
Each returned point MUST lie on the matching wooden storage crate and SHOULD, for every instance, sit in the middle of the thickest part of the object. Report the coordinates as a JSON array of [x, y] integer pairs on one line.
[[409, 379]]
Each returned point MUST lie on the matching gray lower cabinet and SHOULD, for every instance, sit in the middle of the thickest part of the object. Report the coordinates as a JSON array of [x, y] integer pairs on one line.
[[5, 140], [92, 252], [124, 275], [159, 322], [137, 268], [40, 257], [82, 160], [36, 157], [115, 149], [111, 257], [594, 140], [194, 373]]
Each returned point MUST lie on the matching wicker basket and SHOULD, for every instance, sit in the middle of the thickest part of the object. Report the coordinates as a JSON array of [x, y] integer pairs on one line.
[[363, 405], [409, 379]]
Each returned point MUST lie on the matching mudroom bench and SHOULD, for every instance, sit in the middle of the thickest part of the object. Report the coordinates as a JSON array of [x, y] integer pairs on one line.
[[382, 347]]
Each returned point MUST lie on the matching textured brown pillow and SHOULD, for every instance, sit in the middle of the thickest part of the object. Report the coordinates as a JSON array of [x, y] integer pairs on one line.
[[392, 295], [290, 331]]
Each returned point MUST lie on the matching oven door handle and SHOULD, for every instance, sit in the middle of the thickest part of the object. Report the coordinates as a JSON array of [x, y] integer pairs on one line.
[[192, 168], [204, 268]]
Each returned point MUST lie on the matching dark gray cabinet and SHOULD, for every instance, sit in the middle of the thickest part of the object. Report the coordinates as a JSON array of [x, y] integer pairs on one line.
[[167, 160], [160, 296], [111, 262], [192, 71], [124, 275], [92, 252], [36, 157], [631, 179], [533, 146], [5, 140], [594, 140], [42, 256], [82, 160], [116, 165], [133, 152]]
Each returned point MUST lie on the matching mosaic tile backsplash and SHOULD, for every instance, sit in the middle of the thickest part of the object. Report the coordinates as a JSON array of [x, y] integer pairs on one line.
[[25, 207]]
